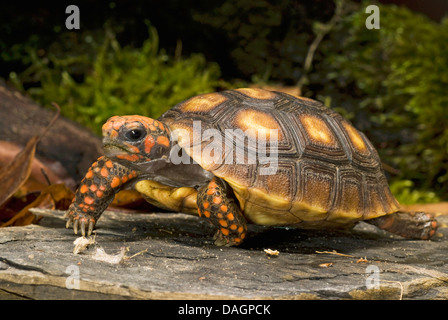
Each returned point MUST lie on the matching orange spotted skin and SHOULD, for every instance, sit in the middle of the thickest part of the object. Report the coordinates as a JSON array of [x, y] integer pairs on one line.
[[129, 141], [156, 141], [96, 192], [216, 204]]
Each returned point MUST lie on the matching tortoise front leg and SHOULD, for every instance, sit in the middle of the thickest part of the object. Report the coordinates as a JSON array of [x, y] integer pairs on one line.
[[96, 192], [216, 205]]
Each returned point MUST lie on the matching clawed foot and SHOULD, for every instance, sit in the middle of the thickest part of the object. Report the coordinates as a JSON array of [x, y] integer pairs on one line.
[[411, 225], [80, 221], [226, 240]]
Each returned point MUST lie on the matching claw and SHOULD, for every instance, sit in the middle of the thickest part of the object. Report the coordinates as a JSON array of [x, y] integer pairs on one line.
[[83, 227], [80, 222], [75, 226], [91, 224]]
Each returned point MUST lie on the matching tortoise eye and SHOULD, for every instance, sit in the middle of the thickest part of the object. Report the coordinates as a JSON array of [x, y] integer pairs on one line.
[[134, 134]]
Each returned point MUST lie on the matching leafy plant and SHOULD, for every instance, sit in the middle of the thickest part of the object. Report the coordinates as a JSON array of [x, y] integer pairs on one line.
[[406, 193], [117, 80], [392, 83]]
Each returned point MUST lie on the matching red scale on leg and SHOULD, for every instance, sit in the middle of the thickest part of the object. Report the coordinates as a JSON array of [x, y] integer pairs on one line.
[[96, 192], [222, 212]]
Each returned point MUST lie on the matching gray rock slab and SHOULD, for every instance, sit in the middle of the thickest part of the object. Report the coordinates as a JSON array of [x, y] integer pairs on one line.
[[172, 256]]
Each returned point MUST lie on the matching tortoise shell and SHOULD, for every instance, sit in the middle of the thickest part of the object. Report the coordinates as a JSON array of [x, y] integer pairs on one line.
[[326, 171]]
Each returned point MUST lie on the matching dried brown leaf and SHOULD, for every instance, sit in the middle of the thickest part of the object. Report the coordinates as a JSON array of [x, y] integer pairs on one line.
[[56, 196], [15, 174]]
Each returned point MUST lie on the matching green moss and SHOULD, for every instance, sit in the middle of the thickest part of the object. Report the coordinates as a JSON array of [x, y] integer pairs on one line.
[[116, 80], [392, 82]]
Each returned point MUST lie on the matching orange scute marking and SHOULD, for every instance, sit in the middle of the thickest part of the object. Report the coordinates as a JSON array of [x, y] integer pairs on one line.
[[207, 213], [149, 143], [355, 138], [225, 231], [115, 182], [223, 208], [202, 103], [99, 194], [83, 189], [217, 200], [88, 200], [206, 204], [89, 174], [104, 172], [129, 157], [116, 123], [230, 216], [93, 187], [223, 223], [109, 164], [258, 124], [318, 130], [212, 184], [163, 141], [257, 93]]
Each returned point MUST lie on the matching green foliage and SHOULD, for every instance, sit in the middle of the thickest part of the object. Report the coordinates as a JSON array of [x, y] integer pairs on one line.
[[267, 40], [405, 192], [393, 82], [117, 80]]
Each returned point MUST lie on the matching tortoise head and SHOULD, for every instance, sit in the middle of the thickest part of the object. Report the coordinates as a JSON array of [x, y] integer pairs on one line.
[[136, 139]]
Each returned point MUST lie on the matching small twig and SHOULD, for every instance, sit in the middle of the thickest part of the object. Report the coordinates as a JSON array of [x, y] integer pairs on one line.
[[390, 169], [336, 253], [47, 179], [324, 30], [136, 254], [401, 287], [52, 121]]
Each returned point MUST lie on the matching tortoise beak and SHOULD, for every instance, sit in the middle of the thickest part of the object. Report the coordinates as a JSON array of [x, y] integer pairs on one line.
[[112, 148]]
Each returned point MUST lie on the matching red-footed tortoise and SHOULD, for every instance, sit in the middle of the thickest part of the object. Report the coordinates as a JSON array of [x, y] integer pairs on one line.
[[260, 157]]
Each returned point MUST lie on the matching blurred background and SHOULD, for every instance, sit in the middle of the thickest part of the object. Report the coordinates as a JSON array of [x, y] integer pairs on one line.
[[143, 57]]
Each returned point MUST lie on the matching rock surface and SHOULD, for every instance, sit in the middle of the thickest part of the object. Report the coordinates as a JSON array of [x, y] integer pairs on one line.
[[171, 256]]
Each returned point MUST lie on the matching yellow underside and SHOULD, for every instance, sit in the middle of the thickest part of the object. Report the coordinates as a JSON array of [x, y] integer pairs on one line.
[[175, 199], [257, 206]]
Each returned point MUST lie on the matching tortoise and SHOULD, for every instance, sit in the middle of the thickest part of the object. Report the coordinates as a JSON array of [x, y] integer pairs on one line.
[[246, 156]]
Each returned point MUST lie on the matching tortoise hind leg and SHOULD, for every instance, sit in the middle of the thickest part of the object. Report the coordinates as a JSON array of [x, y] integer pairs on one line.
[[216, 205], [411, 225]]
